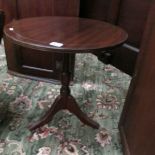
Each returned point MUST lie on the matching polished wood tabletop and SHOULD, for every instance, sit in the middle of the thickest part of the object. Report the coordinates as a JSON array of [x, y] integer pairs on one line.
[[65, 34]]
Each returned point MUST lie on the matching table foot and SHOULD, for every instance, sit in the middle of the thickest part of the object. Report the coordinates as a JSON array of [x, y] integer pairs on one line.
[[57, 105], [73, 107], [64, 102]]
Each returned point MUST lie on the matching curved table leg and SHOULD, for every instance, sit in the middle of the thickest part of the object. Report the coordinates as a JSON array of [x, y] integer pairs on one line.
[[70, 105], [57, 105], [65, 101], [75, 109]]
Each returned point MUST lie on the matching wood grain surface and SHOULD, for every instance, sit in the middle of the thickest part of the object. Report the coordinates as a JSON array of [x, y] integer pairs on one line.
[[75, 34]]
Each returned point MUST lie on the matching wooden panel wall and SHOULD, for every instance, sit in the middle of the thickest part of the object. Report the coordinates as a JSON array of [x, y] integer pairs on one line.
[[33, 8], [137, 123], [9, 6], [106, 10], [30, 8], [132, 17]]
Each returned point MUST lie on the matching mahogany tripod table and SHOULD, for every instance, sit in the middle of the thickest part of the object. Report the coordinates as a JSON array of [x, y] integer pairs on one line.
[[67, 36]]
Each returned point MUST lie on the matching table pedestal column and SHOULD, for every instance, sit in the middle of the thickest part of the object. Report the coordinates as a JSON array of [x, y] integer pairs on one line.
[[65, 101]]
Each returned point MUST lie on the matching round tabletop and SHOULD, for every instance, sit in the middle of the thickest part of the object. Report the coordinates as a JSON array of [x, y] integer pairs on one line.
[[64, 34]]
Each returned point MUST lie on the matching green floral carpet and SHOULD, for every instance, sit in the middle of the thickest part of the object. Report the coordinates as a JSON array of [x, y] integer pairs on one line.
[[100, 91]]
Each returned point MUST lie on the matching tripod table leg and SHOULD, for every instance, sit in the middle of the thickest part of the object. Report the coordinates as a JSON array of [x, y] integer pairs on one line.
[[57, 105], [65, 101]]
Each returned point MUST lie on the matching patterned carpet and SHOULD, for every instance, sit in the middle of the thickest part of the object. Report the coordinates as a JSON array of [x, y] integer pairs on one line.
[[100, 91]]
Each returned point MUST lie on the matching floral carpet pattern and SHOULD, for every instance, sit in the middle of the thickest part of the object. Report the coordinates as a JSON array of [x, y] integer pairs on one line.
[[100, 91]]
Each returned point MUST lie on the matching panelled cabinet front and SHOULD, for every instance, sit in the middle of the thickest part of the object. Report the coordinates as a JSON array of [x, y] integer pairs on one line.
[[35, 63]]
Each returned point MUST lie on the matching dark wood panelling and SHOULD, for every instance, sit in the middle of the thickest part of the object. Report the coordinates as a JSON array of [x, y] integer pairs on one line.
[[128, 14], [132, 17], [26, 8], [9, 7], [35, 8], [138, 118], [106, 10], [96, 9]]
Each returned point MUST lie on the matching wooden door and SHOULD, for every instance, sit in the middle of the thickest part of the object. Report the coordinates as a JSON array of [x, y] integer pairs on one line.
[[137, 124]]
